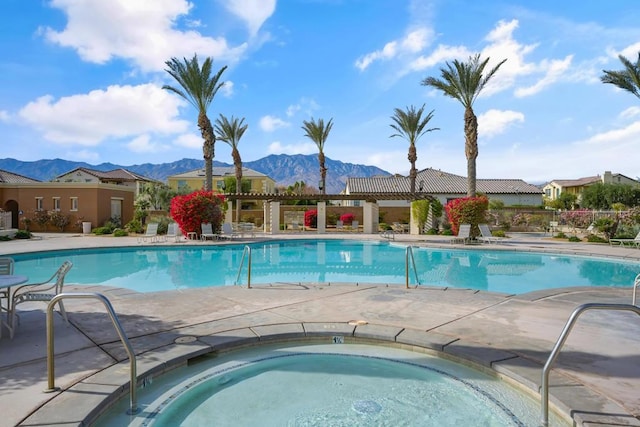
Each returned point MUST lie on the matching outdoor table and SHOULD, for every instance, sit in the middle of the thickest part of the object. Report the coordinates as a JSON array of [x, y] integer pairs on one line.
[[6, 282]]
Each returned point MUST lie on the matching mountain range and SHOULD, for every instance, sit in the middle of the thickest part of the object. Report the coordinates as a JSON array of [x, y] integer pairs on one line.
[[284, 169]]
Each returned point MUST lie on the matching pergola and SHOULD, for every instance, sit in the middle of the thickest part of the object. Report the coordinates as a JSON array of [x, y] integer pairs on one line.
[[370, 209]]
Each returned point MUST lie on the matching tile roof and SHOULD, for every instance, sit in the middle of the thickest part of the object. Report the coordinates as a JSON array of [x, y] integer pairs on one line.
[[220, 171], [434, 181], [14, 178], [577, 182], [116, 174]]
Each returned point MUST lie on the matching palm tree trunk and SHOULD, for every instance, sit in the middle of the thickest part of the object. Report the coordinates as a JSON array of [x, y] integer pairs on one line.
[[207, 149], [323, 173], [237, 162], [413, 173], [471, 148]]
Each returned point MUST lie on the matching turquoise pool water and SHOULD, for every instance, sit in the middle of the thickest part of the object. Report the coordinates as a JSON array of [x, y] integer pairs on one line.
[[147, 269], [329, 385]]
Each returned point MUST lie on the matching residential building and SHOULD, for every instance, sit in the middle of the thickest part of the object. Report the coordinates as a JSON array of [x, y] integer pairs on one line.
[[115, 177], [446, 187], [553, 189]]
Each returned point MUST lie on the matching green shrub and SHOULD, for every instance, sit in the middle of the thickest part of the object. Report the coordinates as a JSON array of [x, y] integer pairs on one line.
[[4, 238], [499, 233], [99, 231], [134, 226], [120, 232], [22, 234], [447, 232], [560, 235], [575, 239], [595, 239], [432, 232]]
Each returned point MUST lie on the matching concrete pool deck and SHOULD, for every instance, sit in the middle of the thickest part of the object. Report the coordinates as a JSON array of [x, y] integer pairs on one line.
[[596, 378]]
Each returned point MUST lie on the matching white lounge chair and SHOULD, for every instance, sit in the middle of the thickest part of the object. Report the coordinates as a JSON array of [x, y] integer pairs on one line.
[[464, 234], [486, 235], [227, 232], [633, 242], [339, 225], [151, 234], [354, 226], [207, 232], [44, 292], [173, 232]]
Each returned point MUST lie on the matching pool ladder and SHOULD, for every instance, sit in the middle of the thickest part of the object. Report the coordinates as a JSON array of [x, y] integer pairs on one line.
[[133, 402], [636, 284], [409, 254], [246, 252], [544, 393]]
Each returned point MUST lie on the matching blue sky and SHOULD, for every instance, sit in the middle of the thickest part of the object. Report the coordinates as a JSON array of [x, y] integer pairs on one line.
[[81, 80]]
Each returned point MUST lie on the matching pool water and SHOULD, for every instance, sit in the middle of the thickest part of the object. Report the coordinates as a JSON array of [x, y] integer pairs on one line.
[[147, 269], [329, 385]]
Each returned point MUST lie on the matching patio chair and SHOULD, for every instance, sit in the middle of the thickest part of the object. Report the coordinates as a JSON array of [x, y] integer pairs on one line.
[[6, 268], [43, 292], [339, 225], [464, 234], [207, 232], [633, 242], [354, 226], [173, 232], [486, 235], [227, 232], [151, 234]]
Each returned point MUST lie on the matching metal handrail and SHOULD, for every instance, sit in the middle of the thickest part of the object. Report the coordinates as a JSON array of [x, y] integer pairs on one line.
[[636, 284], [408, 252], [133, 406], [544, 394], [247, 250]]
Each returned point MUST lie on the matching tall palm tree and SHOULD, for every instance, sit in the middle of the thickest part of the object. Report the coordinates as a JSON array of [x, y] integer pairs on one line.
[[627, 79], [410, 125], [318, 133], [464, 81], [231, 132], [199, 87]]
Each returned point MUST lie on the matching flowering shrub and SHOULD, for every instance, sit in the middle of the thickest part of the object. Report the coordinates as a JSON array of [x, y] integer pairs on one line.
[[580, 218], [311, 218], [347, 218], [630, 217], [191, 210], [59, 220], [467, 210]]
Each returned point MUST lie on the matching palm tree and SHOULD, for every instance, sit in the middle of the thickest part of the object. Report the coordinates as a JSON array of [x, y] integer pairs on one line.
[[231, 132], [198, 87], [627, 79], [410, 125], [318, 133], [464, 81]]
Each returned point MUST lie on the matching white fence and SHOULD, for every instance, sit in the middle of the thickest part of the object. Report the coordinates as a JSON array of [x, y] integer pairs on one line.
[[5, 220]]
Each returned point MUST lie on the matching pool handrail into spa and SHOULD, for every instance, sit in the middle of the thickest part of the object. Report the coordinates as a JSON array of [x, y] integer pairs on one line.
[[245, 251], [133, 406], [409, 252], [544, 392]]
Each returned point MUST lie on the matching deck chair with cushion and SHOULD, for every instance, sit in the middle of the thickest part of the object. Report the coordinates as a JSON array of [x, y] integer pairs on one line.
[[173, 232], [6, 268], [486, 236], [151, 234], [464, 234], [354, 226], [339, 225], [633, 242], [207, 232], [43, 292]]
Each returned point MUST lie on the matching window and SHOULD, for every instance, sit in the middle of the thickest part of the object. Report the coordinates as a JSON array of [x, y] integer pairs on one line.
[[39, 203], [182, 184], [547, 192], [56, 203], [74, 204]]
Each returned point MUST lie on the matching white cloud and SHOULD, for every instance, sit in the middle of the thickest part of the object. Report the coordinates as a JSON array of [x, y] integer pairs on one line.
[[141, 31], [271, 123], [253, 12], [4, 116], [277, 147], [307, 105], [495, 122], [189, 140], [227, 89], [117, 112], [555, 69], [630, 113], [143, 144], [83, 155], [626, 136], [631, 52], [415, 41], [442, 53]]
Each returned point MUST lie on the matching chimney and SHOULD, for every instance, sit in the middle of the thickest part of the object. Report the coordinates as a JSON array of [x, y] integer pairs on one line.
[[607, 178]]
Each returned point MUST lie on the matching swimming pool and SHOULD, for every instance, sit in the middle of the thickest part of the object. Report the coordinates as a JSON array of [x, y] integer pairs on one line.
[[329, 385], [147, 269]]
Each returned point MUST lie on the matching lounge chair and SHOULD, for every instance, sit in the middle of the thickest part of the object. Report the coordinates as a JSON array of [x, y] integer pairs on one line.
[[207, 232], [633, 242], [173, 232], [486, 235], [464, 234], [43, 291], [354, 226], [339, 225], [227, 232], [6, 268], [151, 234]]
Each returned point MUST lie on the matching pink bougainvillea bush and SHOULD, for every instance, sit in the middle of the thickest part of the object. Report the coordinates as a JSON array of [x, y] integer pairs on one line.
[[347, 218], [191, 210], [311, 218], [467, 210]]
